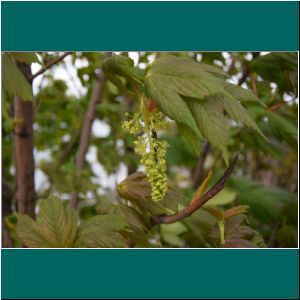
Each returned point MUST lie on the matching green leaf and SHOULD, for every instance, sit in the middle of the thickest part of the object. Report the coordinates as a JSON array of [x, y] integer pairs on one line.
[[170, 233], [56, 229], [170, 78], [102, 232], [192, 64], [25, 57], [192, 140], [239, 93], [105, 222], [133, 217], [58, 221], [199, 224], [211, 121], [30, 233], [172, 239], [209, 114], [238, 113], [283, 129], [195, 96], [13, 80], [137, 231], [224, 197]]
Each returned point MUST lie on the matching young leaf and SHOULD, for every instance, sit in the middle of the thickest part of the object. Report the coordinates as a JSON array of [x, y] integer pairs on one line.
[[105, 222], [202, 188], [137, 225], [216, 212], [58, 222], [237, 234], [102, 232], [56, 229], [136, 189], [234, 211], [31, 233]]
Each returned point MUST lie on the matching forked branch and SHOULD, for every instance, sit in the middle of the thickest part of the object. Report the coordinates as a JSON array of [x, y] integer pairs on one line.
[[50, 64], [197, 203]]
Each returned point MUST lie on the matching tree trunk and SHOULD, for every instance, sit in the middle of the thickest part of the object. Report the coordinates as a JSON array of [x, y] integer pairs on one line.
[[24, 163]]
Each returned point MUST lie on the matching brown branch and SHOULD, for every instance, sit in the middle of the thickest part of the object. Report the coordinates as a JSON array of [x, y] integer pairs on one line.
[[197, 203], [24, 160], [87, 126], [276, 106], [88, 121], [49, 65], [86, 129]]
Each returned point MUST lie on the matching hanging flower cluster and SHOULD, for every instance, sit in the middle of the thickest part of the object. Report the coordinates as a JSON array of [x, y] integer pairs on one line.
[[151, 150]]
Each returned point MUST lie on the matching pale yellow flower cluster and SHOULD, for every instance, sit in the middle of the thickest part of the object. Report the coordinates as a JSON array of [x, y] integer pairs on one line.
[[152, 150]]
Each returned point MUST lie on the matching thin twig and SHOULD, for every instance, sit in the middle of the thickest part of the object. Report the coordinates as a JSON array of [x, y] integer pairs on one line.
[[197, 203], [276, 106], [49, 65], [87, 127]]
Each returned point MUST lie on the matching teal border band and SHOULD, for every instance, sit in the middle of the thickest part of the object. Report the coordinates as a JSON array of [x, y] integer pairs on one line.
[[133, 273], [150, 26]]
